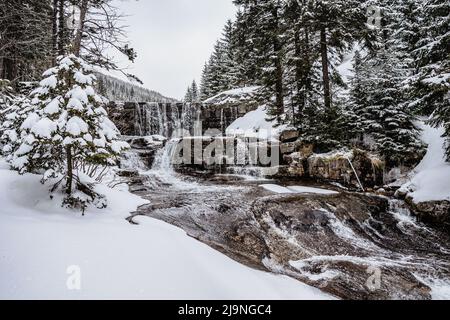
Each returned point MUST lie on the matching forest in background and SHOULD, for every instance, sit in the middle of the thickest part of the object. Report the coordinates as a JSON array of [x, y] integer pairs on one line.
[[33, 33], [292, 50]]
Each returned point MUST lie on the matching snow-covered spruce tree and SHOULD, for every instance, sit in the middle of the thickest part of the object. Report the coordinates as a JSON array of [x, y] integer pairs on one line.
[[354, 114], [383, 115], [67, 133], [431, 53], [11, 119], [265, 37]]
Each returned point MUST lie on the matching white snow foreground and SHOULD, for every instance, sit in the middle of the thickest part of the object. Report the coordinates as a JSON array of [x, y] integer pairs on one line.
[[44, 246], [430, 181]]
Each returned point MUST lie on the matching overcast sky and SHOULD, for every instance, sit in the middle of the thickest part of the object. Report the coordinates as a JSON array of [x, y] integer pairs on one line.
[[173, 39]]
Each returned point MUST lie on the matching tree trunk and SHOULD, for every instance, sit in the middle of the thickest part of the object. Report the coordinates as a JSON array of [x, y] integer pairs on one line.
[[79, 34], [279, 88], [69, 181], [61, 31], [54, 31], [325, 67], [9, 69]]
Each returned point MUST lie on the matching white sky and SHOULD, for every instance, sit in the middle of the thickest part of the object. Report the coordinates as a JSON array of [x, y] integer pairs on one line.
[[173, 39]]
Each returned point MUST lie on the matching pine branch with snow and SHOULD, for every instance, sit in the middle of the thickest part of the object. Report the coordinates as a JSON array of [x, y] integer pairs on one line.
[[66, 133]]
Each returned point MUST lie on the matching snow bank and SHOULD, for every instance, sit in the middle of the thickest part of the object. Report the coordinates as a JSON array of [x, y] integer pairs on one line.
[[296, 189], [39, 241], [430, 180], [255, 124]]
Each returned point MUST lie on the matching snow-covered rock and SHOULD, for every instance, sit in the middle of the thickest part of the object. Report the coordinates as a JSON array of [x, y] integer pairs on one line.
[[256, 124]]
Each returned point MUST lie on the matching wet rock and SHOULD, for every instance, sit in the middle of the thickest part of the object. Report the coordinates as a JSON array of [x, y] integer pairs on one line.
[[332, 242], [128, 173], [288, 147], [432, 211], [350, 245], [142, 148], [338, 166], [289, 135]]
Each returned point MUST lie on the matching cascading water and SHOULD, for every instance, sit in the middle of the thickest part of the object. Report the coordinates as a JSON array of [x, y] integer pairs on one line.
[[131, 160], [164, 158], [160, 118]]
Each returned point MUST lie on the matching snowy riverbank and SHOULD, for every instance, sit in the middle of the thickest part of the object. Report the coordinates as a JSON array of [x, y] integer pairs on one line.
[[39, 241], [430, 180]]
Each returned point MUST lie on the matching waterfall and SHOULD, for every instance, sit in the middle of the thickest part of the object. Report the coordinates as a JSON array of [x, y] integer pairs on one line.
[[161, 119], [406, 220], [164, 157], [132, 160]]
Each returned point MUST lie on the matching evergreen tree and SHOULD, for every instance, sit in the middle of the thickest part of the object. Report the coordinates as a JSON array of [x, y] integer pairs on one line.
[[338, 24], [244, 52], [382, 116], [354, 116], [25, 40], [188, 95], [265, 35], [66, 131], [195, 93], [431, 55], [192, 93], [205, 89]]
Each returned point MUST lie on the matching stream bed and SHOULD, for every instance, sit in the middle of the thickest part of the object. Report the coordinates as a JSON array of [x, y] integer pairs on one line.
[[352, 245]]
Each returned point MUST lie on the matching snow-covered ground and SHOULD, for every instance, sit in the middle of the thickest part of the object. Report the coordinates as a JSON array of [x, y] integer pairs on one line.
[[430, 181], [43, 247], [255, 124]]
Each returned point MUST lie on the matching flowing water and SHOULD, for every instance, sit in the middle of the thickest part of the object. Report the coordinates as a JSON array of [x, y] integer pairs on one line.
[[330, 242], [161, 118]]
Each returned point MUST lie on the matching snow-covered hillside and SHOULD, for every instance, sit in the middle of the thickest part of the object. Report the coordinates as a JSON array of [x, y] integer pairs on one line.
[[40, 242], [119, 90]]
